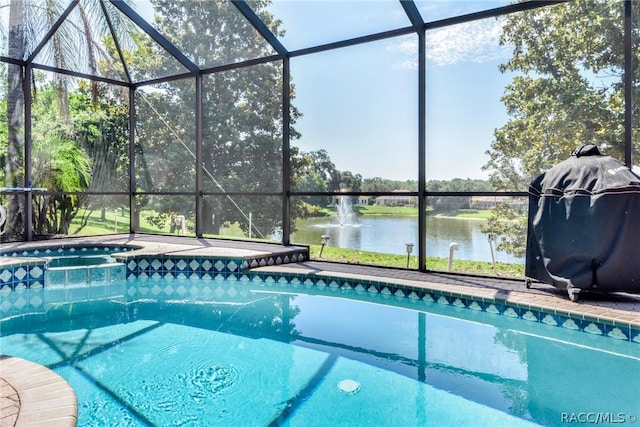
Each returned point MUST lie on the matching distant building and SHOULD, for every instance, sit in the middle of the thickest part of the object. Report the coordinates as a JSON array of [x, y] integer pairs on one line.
[[488, 202], [399, 200]]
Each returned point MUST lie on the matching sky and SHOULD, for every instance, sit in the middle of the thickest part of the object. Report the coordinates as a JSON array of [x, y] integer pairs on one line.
[[360, 103]]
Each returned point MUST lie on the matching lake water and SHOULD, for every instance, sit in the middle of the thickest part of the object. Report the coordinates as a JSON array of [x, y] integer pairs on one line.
[[389, 234]]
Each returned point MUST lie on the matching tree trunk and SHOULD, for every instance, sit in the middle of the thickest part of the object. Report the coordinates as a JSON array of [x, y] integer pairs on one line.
[[15, 228]]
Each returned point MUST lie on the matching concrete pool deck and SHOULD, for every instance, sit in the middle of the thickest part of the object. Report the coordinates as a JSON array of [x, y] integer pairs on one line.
[[21, 381], [32, 395]]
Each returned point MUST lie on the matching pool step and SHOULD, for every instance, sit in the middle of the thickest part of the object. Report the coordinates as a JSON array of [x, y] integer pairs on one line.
[[85, 275]]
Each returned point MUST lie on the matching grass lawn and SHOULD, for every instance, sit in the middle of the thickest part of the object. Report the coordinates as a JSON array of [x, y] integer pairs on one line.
[[436, 264], [385, 210], [119, 223]]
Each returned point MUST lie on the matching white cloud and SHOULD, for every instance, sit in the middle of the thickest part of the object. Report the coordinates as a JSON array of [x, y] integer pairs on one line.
[[476, 41]]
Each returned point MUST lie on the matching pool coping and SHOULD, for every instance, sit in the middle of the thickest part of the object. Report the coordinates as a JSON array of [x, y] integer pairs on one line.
[[33, 395]]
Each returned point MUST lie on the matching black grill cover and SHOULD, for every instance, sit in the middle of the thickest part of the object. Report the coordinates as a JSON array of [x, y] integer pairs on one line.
[[584, 224]]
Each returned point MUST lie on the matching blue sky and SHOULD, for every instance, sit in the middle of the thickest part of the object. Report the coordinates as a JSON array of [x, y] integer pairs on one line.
[[359, 103]]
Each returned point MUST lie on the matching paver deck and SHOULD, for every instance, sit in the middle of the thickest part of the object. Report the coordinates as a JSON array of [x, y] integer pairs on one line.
[[32, 395]]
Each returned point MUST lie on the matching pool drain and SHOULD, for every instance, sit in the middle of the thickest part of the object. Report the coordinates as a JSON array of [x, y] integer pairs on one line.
[[349, 386]]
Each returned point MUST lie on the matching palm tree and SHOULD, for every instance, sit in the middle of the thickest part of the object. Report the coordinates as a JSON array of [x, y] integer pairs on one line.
[[58, 163], [48, 35]]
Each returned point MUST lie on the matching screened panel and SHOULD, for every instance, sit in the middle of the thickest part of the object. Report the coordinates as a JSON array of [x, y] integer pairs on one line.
[[558, 93], [144, 58], [242, 129], [25, 24], [479, 234], [101, 215], [166, 214], [507, 97], [443, 9], [313, 23], [359, 118], [243, 217], [84, 43], [464, 106], [12, 143], [165, 137], [79, 145], [210, 33], [351, 230]]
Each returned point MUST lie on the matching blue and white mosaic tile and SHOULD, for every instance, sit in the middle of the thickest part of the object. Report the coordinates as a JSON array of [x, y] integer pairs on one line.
[[426, 297]]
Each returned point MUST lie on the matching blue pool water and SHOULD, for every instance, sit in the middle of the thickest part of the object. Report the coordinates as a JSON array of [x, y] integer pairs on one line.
[[168, 352]]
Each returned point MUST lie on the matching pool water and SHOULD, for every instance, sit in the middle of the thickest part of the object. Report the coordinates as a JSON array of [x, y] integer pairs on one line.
[[209, 352]]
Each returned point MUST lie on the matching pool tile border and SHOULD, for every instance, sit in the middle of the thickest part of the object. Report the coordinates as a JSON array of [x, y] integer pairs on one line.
[[26, 268], [22, 275], [18, 271], [172, 266], [21, 269], [593, 321]]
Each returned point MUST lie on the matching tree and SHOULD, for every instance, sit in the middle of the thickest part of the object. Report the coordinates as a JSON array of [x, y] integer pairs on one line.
[[100, 117], [14, 164], [242, 129], [313, 171], [452, 203], [350, 182], [27, 25], [378, 184], [59, 164], [567, 90]]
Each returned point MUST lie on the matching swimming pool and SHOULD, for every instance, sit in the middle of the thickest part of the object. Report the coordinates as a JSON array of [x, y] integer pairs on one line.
[[253, 350]]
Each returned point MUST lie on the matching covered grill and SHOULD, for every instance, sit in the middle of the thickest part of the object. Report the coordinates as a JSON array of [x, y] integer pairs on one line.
[[584, 225]]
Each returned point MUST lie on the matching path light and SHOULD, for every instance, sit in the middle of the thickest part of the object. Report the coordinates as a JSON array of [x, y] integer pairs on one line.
[[409, 250], [325, 239]]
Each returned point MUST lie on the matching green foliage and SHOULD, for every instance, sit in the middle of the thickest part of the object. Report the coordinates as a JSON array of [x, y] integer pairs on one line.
[[58, 163], [453, 203], [567, 90], [458, 185], [313, 182], [386, 210], [159, 220], [242, 126], [378, 184], [508, 223], [58, 145]]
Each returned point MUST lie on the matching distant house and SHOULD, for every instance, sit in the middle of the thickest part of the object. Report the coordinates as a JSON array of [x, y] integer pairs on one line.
[[361, 200], [399, 200], [488, 202]]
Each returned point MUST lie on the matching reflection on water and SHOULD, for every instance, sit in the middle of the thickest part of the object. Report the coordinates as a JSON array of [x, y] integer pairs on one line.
[[140, 352], [388, 234]]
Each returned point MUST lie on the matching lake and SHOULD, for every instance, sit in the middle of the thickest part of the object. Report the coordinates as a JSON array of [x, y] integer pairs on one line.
[[389, 234]]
